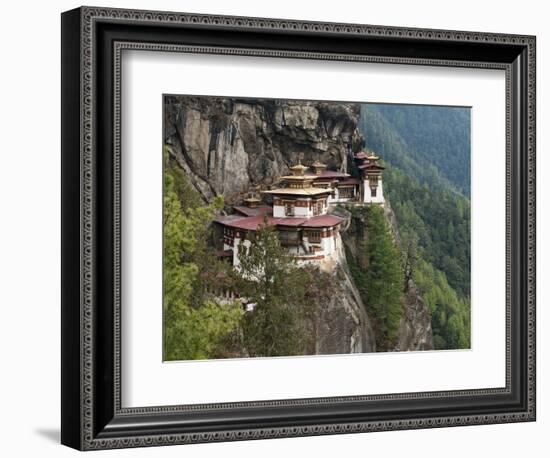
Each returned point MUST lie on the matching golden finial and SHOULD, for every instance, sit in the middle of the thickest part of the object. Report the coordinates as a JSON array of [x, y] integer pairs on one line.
[[298, 169]]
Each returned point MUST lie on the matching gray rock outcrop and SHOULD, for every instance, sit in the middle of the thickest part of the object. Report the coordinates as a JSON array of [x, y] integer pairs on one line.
[[227, 145]]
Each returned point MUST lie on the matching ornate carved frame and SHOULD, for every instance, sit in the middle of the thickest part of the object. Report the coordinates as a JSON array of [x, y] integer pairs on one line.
[[92, 42]]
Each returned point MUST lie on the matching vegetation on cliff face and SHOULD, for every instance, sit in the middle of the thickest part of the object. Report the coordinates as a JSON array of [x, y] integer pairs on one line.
[[435, 235], [433, 216], [271, 280], [438, 222], [194, 327], [177, 182], [450, 312], [384, 278], [379, 276]]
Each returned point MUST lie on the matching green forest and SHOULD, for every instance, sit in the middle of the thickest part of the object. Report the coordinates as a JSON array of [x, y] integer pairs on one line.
[[195, 327], [434, 136], [378, 272], [427, 154]]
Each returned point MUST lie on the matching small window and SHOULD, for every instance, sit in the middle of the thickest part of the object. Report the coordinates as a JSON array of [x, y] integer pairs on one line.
[[289, 210], [346, 193], [373, 192], [314, 236], [318, 207]]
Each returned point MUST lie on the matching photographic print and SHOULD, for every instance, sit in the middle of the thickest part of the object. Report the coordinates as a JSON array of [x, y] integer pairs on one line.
[[306, 227]]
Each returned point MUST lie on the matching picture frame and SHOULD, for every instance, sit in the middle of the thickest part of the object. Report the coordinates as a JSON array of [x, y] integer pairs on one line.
[[92, 414]]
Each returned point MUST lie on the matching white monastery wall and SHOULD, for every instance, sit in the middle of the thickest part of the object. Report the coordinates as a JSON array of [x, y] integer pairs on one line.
[[379, 199]]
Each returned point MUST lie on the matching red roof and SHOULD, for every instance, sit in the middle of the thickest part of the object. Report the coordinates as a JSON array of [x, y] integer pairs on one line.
[[288, 222], [254, 211], [227, 218], [242, 222], [252, 223], [361, 155], [322, 221]]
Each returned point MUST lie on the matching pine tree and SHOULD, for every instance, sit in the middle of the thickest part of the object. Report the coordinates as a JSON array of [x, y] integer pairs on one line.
[[270, 279], [384, 279], [191, 330]]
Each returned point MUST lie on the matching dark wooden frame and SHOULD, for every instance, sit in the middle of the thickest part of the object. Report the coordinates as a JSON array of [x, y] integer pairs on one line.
[[92, 40]]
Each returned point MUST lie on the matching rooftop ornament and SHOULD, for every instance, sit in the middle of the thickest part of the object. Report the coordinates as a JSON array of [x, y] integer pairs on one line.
[[298, 169], [252, 201], [318, 167]]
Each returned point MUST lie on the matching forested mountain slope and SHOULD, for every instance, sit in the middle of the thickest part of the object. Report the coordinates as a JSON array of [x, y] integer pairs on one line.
[[436, 138], [424, 182]]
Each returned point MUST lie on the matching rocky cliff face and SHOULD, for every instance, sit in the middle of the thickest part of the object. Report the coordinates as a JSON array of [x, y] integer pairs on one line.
[[226, 145], [415, 329], [342, 324]]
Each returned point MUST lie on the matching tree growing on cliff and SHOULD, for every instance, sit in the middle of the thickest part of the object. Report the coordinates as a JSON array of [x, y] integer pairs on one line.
[[434, 227], [191, 331], [383, 278], [269, 278]]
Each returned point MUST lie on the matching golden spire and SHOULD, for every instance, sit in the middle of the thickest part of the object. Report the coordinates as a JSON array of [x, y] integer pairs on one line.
[[252, 201], [298, 169], [372, 157], [318, 167]]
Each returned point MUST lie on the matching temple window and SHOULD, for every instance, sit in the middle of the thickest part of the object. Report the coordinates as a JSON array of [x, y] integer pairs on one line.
[[346, 193], [318, 207], [314, 236], [289, 238], [289, 210], [373, 192]]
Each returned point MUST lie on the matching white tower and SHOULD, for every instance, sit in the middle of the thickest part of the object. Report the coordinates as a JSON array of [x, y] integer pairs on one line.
[[373, 192]]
